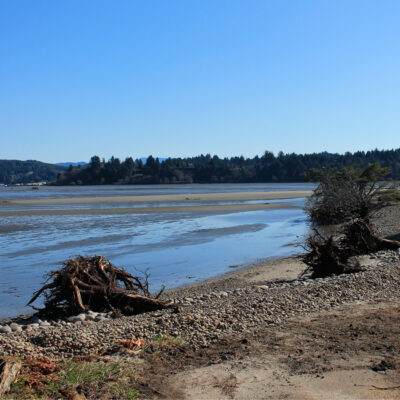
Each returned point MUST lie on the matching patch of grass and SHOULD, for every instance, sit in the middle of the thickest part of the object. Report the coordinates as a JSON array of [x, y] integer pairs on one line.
[[96, 379], [160, 342], [166, 340], [76, 373], [126, 392], [111, 380], [119, 379], [158, 338]]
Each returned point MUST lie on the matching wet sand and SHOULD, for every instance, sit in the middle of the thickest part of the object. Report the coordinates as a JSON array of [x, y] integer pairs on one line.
[[241, 196], [187, 199], [147, 210]]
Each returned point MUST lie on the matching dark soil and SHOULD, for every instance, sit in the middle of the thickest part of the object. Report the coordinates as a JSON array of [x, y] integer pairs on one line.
[[313, 345]]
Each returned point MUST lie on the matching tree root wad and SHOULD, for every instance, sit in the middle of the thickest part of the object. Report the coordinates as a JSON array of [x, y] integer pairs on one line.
[[330, 255], [93, 283]]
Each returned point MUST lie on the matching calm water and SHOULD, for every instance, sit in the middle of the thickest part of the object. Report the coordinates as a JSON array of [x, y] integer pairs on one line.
[[176, 248]]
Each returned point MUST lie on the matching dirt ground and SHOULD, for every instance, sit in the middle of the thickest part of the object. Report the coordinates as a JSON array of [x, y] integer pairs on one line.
[[351, 352]]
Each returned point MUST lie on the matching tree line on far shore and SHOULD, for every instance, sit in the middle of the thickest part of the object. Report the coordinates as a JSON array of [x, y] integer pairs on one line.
[[212, 169]]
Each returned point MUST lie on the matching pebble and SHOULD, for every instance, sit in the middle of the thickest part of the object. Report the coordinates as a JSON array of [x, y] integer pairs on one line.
[[33, 326], [77, 318], [16, 328], [208, 316], [91, 316], [188, 300]]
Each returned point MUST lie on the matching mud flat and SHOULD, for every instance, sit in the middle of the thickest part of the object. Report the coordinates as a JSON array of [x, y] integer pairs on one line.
[[152, 203], [151, 210], [241, 196]]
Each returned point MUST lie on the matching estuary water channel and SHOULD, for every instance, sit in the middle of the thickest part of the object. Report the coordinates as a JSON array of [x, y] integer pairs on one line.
[[179, 240]]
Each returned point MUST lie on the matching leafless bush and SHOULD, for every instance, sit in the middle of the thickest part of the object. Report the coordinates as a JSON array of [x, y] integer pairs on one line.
[[345, 194]]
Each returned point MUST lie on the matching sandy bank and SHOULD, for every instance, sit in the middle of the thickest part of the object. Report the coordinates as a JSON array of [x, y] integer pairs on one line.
[[274, 270], [242, 196], [147, 210]]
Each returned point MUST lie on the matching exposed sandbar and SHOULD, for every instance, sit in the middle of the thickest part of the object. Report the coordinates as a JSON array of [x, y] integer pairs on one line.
[[240, 196]]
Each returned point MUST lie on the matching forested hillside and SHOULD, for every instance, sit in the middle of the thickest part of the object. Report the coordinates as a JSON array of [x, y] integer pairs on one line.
[[15, 171], [200, 169], [212, 169]]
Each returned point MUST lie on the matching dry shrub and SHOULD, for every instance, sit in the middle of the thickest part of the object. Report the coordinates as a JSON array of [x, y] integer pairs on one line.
[[332, 254], [345, 194]]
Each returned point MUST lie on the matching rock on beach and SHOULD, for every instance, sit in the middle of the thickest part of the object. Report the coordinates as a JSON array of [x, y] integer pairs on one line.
[[207, 315]]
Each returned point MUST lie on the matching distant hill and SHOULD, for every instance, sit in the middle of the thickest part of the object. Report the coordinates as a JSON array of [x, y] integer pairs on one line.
[[74, 164], [201, 169], [16, 171]]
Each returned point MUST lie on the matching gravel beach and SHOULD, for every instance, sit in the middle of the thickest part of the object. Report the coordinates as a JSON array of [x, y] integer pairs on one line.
[[232, 304]]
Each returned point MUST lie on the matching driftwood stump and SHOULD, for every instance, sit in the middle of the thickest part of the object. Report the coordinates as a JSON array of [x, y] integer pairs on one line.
[[331, 255], [93, 283], [8, 372]]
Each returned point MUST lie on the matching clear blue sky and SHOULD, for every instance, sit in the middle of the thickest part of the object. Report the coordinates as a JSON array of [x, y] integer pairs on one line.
[[180, 78]]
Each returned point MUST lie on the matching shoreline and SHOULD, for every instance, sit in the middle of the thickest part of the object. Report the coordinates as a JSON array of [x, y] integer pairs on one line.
[[280, 269], [247, 298], [267, 270]]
